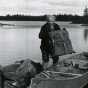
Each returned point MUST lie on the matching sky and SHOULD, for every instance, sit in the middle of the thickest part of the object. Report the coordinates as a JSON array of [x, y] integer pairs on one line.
[[41, 7]]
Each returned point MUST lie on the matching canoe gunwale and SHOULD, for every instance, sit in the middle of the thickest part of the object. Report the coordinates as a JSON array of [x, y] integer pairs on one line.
[[69, 78]]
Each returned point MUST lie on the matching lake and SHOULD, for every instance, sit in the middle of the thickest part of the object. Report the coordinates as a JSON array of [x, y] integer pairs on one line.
[[19, 40]]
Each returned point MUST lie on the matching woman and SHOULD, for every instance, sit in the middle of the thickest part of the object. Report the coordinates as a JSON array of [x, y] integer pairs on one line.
[[47, 41]]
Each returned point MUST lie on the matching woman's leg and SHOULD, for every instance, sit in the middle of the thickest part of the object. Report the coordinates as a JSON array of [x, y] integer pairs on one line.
[[45, 59]]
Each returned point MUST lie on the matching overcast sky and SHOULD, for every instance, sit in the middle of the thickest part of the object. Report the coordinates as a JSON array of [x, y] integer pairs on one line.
[[40, 7]]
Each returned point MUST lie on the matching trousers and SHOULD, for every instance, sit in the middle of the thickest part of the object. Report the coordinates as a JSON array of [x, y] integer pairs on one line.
[[46, 54]]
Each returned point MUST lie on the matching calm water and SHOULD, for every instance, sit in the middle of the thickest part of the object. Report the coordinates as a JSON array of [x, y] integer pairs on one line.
[[19, 40]]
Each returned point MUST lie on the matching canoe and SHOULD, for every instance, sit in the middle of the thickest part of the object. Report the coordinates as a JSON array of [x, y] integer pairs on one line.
[[77, 81], [73, 76]]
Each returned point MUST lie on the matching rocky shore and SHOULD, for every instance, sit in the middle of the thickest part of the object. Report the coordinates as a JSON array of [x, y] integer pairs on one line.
[[26, 69]]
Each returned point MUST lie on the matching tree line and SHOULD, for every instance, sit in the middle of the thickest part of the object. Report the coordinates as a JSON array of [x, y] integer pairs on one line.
[[73, 18]]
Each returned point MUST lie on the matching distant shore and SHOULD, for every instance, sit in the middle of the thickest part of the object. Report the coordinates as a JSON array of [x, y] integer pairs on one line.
[[73, 18]]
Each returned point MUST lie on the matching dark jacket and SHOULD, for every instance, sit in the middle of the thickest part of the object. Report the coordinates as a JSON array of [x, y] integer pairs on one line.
[[44, 35]]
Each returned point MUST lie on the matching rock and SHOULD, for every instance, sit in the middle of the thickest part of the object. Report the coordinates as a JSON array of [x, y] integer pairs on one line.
[[27, 70]]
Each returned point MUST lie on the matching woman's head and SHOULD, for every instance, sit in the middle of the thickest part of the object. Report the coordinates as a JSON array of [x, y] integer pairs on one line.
[[50, 18]]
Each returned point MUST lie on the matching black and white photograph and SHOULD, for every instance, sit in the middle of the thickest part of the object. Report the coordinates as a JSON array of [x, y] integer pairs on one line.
[[43, 43]]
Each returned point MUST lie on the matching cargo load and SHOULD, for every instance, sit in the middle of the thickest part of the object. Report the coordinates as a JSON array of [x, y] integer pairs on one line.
[[61, 43]]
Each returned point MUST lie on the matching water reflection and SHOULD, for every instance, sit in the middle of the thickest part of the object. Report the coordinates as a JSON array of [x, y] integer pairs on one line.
[[85, 34]]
